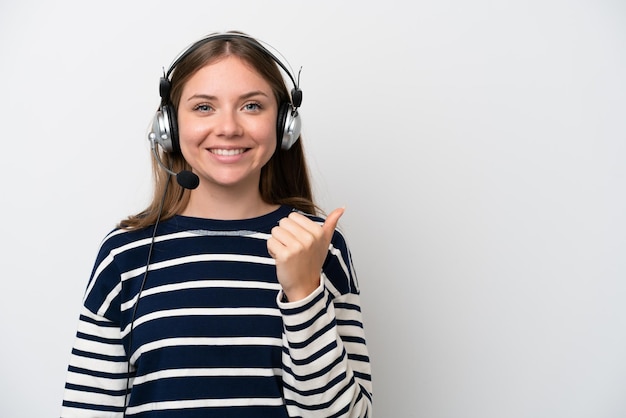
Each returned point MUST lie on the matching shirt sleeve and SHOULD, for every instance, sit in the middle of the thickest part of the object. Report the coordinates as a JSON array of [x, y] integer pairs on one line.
[[325, 358], [97, 375], [97, 372]]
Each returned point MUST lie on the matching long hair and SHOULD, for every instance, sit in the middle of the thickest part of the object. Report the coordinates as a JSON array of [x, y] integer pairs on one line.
[[284, 179]]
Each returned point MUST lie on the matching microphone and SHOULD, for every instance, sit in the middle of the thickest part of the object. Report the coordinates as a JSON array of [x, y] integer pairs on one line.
[[185, 178]]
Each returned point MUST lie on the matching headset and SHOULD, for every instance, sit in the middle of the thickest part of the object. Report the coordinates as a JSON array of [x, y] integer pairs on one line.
[[164, 131]]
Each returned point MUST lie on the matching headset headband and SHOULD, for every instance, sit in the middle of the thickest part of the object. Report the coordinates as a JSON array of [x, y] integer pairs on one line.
[[296, 93]]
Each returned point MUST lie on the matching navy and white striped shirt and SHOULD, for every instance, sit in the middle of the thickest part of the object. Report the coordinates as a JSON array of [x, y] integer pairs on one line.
[[211, 336]]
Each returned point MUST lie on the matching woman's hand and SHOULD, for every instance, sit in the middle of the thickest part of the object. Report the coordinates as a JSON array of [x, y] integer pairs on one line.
[[299, 247]]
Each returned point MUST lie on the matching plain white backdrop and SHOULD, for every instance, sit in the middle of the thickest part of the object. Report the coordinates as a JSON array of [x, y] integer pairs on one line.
[[479, 148]]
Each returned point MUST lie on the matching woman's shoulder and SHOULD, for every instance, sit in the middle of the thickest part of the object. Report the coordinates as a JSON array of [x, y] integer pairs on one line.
[[119, 237]]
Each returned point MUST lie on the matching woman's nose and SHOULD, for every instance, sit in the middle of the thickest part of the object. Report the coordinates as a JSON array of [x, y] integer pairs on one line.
[[228, 123]]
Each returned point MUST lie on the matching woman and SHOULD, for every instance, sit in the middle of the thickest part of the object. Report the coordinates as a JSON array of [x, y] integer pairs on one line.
[[229, 296]]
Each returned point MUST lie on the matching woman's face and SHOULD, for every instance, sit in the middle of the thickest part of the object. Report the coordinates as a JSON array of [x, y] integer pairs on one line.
[[227, 124]]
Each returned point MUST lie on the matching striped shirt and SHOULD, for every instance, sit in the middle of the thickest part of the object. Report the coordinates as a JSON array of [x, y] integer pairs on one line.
[[211, 335]]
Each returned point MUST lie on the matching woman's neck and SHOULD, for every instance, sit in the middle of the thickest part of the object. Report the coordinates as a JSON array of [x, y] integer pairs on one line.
[[226, 204]]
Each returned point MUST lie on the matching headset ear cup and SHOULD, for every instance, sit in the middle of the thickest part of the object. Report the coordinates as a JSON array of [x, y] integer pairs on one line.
[[173, 128], [288, 126], [164, 129], [283, 109]]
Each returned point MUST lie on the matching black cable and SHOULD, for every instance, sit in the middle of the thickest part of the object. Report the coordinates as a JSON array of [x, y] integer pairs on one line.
[[143, 283]]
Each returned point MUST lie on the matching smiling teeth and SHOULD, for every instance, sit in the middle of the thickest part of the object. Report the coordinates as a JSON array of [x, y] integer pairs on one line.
[[227, 151]]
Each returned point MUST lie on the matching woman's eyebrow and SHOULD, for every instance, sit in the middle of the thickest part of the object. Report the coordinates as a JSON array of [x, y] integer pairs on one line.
[[243, 96]]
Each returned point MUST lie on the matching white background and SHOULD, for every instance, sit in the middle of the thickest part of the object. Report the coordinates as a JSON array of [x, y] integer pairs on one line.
[[479, 147]]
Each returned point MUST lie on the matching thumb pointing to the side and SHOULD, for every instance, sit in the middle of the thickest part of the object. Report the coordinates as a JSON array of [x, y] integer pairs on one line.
[[331, 223]]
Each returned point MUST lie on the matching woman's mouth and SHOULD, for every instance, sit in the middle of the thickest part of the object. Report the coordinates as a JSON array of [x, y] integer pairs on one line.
[[227, 152]]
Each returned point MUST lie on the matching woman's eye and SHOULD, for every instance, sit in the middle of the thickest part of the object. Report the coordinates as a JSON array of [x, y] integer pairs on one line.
[[202, 108], [252, 106]]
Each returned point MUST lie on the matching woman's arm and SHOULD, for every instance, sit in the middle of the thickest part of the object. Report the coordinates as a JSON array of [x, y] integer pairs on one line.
[[326, 364], [97, 373]]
